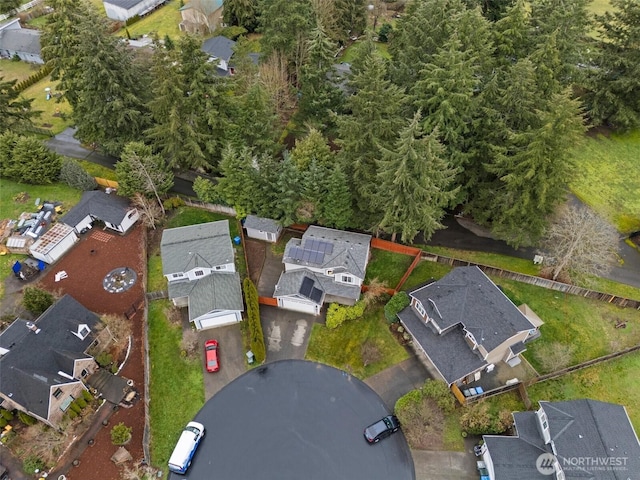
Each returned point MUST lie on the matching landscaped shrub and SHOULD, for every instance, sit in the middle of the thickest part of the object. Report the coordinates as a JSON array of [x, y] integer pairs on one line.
[[37, 300], [478, 419], [338, 314], [253, 318], [27, 160], [173, 203], [6, 414], [72, 414], [120, 434], [232, 32], [3, 422], [33, 78], [75, 176], [75, 407], [104, 359], [439, 391], [397, 303], [385, 31], [26, 418], [132, 20], [82, 403], [86, 394], [33, 463]]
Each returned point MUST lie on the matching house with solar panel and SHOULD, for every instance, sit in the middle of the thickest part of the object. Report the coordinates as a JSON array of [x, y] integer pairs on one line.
[[324, 266]]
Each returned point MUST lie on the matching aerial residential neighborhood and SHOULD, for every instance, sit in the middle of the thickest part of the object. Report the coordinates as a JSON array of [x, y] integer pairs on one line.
[[331, 239]]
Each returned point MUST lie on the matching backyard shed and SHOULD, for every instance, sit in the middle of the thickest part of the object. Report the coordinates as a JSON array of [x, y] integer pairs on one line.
[[114, 211], [262, 228], [54, 244], [125, 9]]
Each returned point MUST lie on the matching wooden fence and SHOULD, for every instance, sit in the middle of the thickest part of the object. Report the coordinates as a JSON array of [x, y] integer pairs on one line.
[[272, 302], [104, 182], [537, 281], [212, 207]]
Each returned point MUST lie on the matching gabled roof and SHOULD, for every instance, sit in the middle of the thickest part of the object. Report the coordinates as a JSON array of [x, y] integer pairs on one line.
[[327, 248], [468, 297], [126, 4], [263, 224], [202, 245], [207, 6], [301, 283], [580, 429], [33, 361], [106, 207], [219, 47], [23, 40], [218, 291]]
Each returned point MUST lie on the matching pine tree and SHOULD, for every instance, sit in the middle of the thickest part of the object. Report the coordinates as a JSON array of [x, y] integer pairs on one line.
[[238, 183], [15, 111], [351, 18], [312, 147], [511, 34], [335, 208], [415, 184], [288, 191], [243, 13]]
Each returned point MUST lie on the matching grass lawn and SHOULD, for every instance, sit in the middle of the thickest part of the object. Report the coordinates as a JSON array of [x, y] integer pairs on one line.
[[176, 384], [155, 281], [585, 326], [10, 70], [54, 192], [387, 267], [599, 6], [615, 381], [349, 52], [341, 347], [424, 272], [96, 170], [163, 21], [608, 175], [50, 118]]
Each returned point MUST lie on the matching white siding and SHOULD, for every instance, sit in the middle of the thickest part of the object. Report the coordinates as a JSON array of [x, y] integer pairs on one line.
[[298, 305], [217, 319]]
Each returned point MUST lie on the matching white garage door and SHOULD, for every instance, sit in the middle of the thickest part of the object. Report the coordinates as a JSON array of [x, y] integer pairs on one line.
[[220, 321], [298, 306]]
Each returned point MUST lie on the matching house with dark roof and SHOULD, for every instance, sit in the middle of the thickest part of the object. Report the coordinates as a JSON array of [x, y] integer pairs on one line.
[[464, 325], [21, 42], [123, 10], [576, 439], [201, 16], [220, 51], [115, 211], [262, 228], [43, 364], [324, 266], [198, 262]]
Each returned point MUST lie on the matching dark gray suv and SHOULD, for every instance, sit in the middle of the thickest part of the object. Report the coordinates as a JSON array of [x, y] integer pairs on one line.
[[381, 429]]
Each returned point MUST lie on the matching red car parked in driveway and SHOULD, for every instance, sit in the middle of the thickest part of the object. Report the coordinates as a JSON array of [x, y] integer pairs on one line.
[[211, 355]]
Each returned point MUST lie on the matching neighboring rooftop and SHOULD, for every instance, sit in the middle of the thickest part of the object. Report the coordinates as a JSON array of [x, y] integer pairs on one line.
[[219, 47], [218, 291], [262, 224], [106, 207]]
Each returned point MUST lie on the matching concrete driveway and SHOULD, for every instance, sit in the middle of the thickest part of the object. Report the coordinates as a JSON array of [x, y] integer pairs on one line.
[[231, 358], [286, 333], [396, 381], [444, 465]]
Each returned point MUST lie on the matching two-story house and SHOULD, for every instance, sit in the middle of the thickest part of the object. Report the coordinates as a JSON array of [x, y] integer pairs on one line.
[[198, 263], [43, 364], [464, 324], [577, 439], [324, 266]]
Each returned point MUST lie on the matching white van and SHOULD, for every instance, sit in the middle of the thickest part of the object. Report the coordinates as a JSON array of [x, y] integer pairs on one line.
[[186, 447]]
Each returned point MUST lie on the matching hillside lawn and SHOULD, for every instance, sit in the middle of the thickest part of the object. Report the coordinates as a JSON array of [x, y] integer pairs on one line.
[[11, 70]]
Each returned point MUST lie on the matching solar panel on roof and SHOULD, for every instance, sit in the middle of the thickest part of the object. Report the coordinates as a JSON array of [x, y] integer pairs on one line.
[[316, 295], [306, 255], [306, 287], [296, 253]]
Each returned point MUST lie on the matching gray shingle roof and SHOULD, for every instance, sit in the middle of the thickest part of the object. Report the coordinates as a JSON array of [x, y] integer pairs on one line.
[[21, 40], [290, 283], [350, 250], [219, 47], [106, 207], [263, 224], [467, 296], [449, 352], [218, 291], [580, 429], [126, 4], [204, 245], [32, 364]]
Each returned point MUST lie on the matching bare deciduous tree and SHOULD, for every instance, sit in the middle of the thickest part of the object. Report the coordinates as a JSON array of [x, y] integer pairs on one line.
[[150, 211], [580, 243], [370, 352], [119, 327], [274, 78]]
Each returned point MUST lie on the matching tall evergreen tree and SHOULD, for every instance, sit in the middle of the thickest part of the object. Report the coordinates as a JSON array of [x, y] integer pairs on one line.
[[238, 183], [243, 13], [313, 147], [335, 208], [511, 34], [377, 113], [8, 5], [288, 191], [351, 18], [614, 83], [318, 94], [15, 111], [415, 184]]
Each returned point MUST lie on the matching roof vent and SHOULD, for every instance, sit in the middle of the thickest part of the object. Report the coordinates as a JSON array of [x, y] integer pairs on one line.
[[32, 326]]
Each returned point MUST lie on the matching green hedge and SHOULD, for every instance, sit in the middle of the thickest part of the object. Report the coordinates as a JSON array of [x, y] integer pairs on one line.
[[34, 78], [26, 418], [253, 317], [397, 303], [338, 314]]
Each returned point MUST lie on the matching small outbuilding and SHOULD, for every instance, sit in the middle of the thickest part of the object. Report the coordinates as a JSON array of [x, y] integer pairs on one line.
[[54, 243], [262, 228], [125, 9]]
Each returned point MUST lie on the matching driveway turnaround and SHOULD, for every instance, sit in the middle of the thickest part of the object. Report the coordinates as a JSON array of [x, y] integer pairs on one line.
[[295, 419]]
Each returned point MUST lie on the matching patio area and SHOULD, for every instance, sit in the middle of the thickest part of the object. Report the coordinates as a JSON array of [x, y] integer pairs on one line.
[[501, 375]]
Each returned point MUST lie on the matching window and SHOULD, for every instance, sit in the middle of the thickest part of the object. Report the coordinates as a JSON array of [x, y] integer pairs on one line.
[[347, 279], [177, 275], [83, 331], [420, 309], [131, 213], [198, 273], [84, 373], [220, 267], [57, 393]]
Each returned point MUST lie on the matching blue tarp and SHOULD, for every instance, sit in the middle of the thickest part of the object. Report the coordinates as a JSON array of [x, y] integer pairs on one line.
[[17, 267]]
